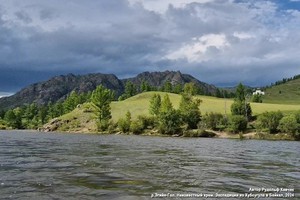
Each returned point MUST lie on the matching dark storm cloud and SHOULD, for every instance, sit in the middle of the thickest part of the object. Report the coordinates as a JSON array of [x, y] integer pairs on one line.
[[221, 42], [23, 16]]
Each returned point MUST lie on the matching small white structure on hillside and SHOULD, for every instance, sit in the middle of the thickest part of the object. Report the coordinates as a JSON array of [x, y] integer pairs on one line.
[[258, 91]]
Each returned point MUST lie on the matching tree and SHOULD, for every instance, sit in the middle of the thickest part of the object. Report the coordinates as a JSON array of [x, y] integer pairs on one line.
[[2, 113], [189, 110], [240, 93], [166, 104], [177, 88], [43, 111], [145, 87], [13, 119], [167, 87], [130, 90], [71, 102], [169, 118], [219, 94], [240, 106], [155, 103], [101, 98], [190, 89]]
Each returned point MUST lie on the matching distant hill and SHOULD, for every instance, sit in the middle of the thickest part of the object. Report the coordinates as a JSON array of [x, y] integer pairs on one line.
[[158, 79], [57, 88], [83, 119], [285, 92]]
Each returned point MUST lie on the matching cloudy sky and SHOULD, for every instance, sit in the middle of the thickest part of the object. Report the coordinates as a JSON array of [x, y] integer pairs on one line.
[[222, 42]]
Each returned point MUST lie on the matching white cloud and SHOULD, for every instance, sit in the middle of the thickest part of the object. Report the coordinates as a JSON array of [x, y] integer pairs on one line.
[[243, 35], [161, 6], [197, 49]]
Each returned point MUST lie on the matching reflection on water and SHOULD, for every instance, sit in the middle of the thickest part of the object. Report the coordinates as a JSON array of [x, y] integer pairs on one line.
[[75, 166]]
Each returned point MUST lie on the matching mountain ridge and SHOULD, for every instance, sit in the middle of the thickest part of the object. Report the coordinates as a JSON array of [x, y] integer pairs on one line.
[[59, 87]]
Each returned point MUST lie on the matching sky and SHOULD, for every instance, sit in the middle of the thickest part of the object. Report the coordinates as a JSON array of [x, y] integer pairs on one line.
[[221, 42]]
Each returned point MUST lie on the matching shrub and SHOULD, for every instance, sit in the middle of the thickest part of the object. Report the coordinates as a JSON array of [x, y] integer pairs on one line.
[[269, 121], [112, 127], [169, 122], [124, 125], [288, 124], [136, 127], [237, 123], [257, 98], [212, 120], [147, 121], [102, 125]]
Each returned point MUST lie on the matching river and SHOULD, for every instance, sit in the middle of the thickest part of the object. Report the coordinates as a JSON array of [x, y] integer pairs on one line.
[[77, 166]]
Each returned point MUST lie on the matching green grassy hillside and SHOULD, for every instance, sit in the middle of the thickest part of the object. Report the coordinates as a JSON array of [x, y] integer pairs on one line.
[[139, 104], [82, 119], [287, 93]]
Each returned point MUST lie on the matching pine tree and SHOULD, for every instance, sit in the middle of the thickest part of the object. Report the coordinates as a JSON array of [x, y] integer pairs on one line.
[[189, 110], [166, 104], [240, 106], [71, 102], [102, 97], [155, 103]]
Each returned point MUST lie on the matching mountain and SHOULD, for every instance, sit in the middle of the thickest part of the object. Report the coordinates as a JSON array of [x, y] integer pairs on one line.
[[57, 88], [158, 79]]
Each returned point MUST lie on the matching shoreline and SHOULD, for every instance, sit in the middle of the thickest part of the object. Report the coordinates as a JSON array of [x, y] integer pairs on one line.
[[218, 134]]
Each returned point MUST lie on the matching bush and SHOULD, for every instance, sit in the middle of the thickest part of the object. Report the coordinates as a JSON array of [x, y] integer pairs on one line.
[[288, 124], [169, 122], [237, 123], [212, 120], [124, 125], [136, 127], [269, 121], [102, 125], [257, 98], [112, 127], [147, 121]]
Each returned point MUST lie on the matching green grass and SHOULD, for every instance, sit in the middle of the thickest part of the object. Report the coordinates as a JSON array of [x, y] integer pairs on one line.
[[287, 93], [82, 119], [139, 104]]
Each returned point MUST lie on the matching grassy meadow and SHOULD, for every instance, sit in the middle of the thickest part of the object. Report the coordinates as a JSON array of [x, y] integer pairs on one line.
[[287, 93], [139, 104], [83, 119]]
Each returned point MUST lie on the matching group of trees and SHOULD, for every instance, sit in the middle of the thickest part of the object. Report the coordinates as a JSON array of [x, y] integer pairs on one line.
[[274, 122], [131, 89], [33, 115], [164, 117]]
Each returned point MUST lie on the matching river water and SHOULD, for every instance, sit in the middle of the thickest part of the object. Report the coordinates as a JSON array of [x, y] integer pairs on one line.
[[77, 166]]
